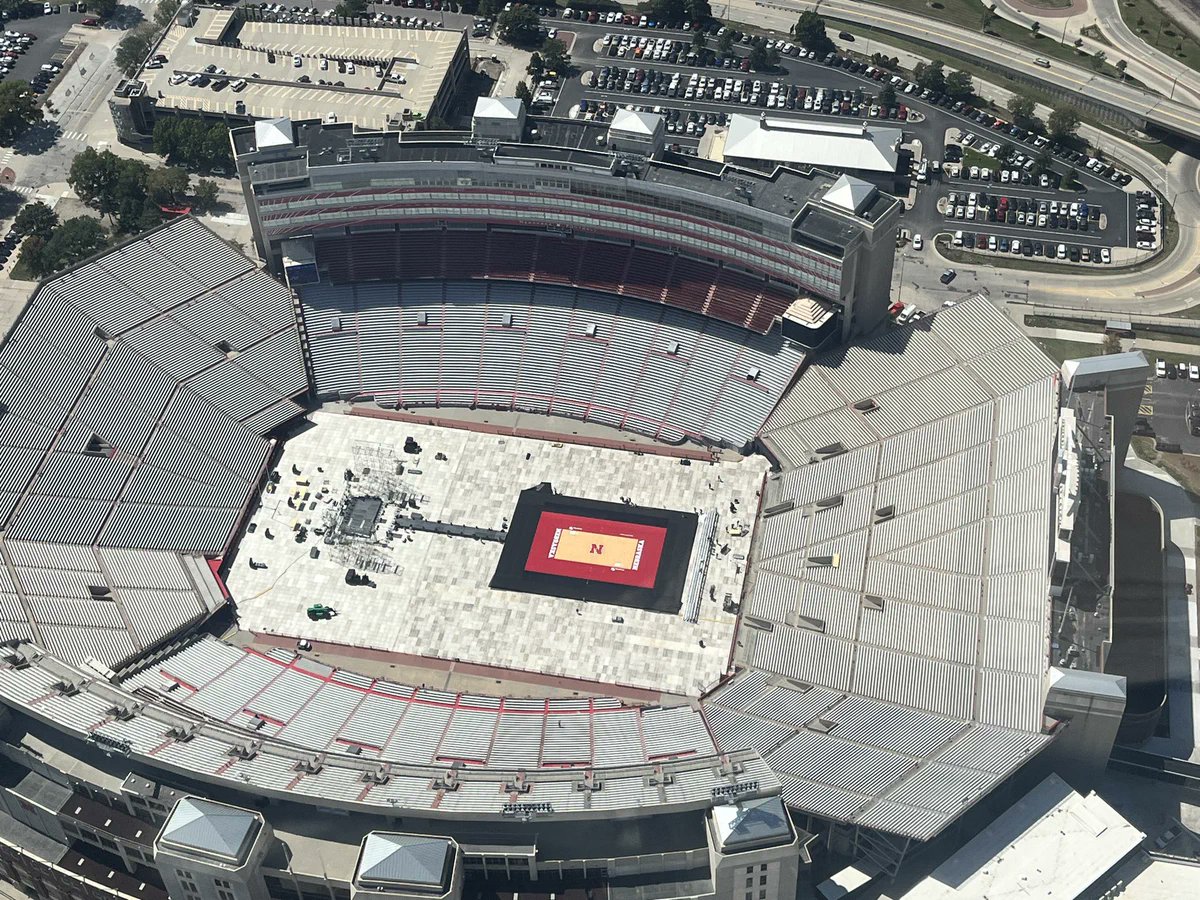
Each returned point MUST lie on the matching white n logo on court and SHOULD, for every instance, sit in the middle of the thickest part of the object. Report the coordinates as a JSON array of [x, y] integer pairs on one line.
[[597, 548]]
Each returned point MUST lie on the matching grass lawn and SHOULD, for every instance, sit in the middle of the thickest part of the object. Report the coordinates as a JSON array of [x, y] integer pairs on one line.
[[1160, 31], [1183, 467], [969, 14], [1068, 324], [1060, 351]]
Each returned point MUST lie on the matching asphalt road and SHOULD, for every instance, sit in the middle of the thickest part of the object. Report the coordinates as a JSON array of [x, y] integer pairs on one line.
[[1182, 118]]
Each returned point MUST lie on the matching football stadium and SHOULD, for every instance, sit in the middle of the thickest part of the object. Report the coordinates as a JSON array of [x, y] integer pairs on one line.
[[547, 520]]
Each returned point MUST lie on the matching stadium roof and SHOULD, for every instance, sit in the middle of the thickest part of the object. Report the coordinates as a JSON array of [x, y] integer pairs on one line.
[[639, 124], [404, 859], [498, 108], [751, 823], [850, 193], [210, 829], [1053, 842], [864, 148]]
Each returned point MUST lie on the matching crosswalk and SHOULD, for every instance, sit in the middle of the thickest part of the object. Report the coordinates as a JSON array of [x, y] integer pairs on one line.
[[78, 137]]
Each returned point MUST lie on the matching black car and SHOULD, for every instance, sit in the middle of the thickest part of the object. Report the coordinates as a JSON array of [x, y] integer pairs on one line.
[[948, 276]]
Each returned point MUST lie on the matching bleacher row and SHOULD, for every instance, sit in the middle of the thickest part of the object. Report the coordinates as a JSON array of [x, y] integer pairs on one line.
[[325, 709], [690, 284], [127, 388], [548, 349]]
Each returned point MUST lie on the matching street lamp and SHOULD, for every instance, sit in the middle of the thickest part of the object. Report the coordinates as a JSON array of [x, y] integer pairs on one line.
[[1064, 34]]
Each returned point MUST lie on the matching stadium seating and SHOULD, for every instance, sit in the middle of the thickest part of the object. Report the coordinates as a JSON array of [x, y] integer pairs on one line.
[[316, 706], [648, 274], [643, 367]]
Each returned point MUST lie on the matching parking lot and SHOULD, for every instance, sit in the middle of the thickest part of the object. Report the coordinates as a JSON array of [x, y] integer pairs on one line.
[[643, 64], [48, 31], [1165, 406]]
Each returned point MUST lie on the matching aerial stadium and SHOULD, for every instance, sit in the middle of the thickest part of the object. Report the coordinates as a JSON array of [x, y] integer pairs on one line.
[[552, 517]]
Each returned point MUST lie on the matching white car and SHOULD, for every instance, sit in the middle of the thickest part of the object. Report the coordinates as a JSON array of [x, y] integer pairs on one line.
[[918, 242], [296, 61], [1160, 369], [1193, 372], [1105, 255]]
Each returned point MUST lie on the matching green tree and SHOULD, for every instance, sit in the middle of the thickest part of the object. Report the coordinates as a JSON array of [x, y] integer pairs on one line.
[[1035, 28], [30, 257], [762, 59], [18, 110], [1122, 65], [36, 219], [536, 67], [73, 240], [103, 8], [986, 18], [167, 186], [523, 93], [554, 55], [519, 26], [931, 77], [699, 10], [1111, 343], [887, 96], [725, 41], [1043, 164], [193, 144], [164, 13], [134, 48], [959, 86], [93, 178], [1097, 60], [1141, 24], [810, 32], [204, 198], [351, 9], [487, 8], [1021, 106], [1063, 122]]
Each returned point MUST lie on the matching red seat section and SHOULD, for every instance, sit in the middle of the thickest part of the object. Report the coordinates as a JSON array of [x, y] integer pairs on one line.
[[558, 259], [738, 298], [463, 252], [647, 274], [510, 255], [690, 284], [603, 267]]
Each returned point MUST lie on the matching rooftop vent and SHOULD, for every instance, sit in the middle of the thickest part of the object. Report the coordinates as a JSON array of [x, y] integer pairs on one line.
[[311, 765], [777, 508], [808, 623], [870, 601], [183, 732], [224, 347], [246, 751], [753, 374], [830, 502], [866, 406], [824, 562], [102, 333], [821, 726], [831, 450], [590, 329], [884, 513], [381, 774]]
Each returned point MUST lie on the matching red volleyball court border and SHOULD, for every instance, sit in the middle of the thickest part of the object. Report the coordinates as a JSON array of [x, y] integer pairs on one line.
[[643, 572]]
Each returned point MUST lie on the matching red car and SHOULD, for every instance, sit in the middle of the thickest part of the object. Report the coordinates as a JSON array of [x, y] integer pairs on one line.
[[90, 22]]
